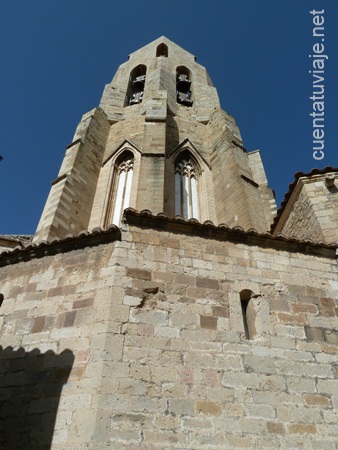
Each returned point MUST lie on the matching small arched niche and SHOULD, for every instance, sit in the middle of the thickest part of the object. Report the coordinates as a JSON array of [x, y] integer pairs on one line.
[[248, 313], [136, 85], [162, 50], [183, 86]]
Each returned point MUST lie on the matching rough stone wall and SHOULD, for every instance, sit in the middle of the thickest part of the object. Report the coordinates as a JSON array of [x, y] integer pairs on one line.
[[242, 195], [155, 325], [314, 212], [150, 190], [55, 306], [69, 204], [121, 131], [302, 221], [266, 194]]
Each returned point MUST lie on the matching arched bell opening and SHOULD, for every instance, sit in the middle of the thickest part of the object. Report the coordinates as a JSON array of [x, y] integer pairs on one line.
[[136, 85], [183, 86]]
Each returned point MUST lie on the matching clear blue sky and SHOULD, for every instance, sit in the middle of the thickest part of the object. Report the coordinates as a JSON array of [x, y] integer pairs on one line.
[[56, 57]]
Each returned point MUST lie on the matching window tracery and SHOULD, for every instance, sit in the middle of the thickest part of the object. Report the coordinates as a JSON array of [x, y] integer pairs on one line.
[[186, 189], [119, 198]]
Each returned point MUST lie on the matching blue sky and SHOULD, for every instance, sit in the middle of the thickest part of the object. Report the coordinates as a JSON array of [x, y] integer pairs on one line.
[[56, 57]]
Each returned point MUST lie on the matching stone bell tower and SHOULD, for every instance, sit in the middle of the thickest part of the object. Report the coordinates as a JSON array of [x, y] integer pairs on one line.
[[159, 141], [159, 332]]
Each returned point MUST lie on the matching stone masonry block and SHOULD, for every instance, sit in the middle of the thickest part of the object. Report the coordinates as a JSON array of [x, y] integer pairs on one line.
[[181, 406], [275, 427], [207, 283], [209, 322], [39, 323], [300, 428], [69, 319], [220, 311], [185, 279], [328, 302], [129, 300], [317, 400], [315, 334], [83, 303], [208, 408], [293, 319], [139, 273]]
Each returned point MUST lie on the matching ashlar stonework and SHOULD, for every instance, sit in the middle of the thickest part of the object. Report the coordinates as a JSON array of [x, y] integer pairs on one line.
[[170, 332]]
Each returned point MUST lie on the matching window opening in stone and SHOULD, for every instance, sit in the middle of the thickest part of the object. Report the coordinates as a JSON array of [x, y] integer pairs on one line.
[[120, 191], [186, 192], [183, 86], [162, 50], [136, 85], [1, 299], [247, 313]]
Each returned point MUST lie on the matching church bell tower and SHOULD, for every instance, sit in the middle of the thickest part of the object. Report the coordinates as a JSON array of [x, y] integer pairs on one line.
[[158, 141]]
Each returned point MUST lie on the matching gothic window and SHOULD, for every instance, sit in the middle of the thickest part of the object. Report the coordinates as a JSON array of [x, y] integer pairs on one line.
[[186, 192], [162, 50], [183, 86], [119, 197], [136, 84]]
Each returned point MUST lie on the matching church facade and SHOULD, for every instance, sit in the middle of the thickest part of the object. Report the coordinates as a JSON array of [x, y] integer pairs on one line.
[[164, 302]]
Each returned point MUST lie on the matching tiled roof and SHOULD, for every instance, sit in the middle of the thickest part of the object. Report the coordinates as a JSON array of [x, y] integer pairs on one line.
[[19, 239], [223, 232], [162, 222], [57, 245]]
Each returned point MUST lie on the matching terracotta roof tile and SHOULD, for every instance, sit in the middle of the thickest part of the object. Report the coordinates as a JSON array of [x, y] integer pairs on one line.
[[19, 239], [161, 221], [58, 245], [222, 231]]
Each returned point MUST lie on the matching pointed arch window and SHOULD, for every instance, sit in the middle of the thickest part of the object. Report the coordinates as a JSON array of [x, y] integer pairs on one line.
[[186, 189], [119, 198], [136, 85], [183, 86], [162, 50]]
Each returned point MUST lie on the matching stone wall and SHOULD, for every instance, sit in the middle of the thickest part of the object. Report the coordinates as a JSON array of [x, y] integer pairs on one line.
[[154, 323], [69, 204], [311, 210]]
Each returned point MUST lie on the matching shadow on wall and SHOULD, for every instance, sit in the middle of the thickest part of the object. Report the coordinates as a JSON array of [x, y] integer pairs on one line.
[[172, 141], [30, 389]]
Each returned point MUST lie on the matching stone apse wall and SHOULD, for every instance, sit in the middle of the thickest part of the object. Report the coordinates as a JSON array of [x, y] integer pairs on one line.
[[139, 340]]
